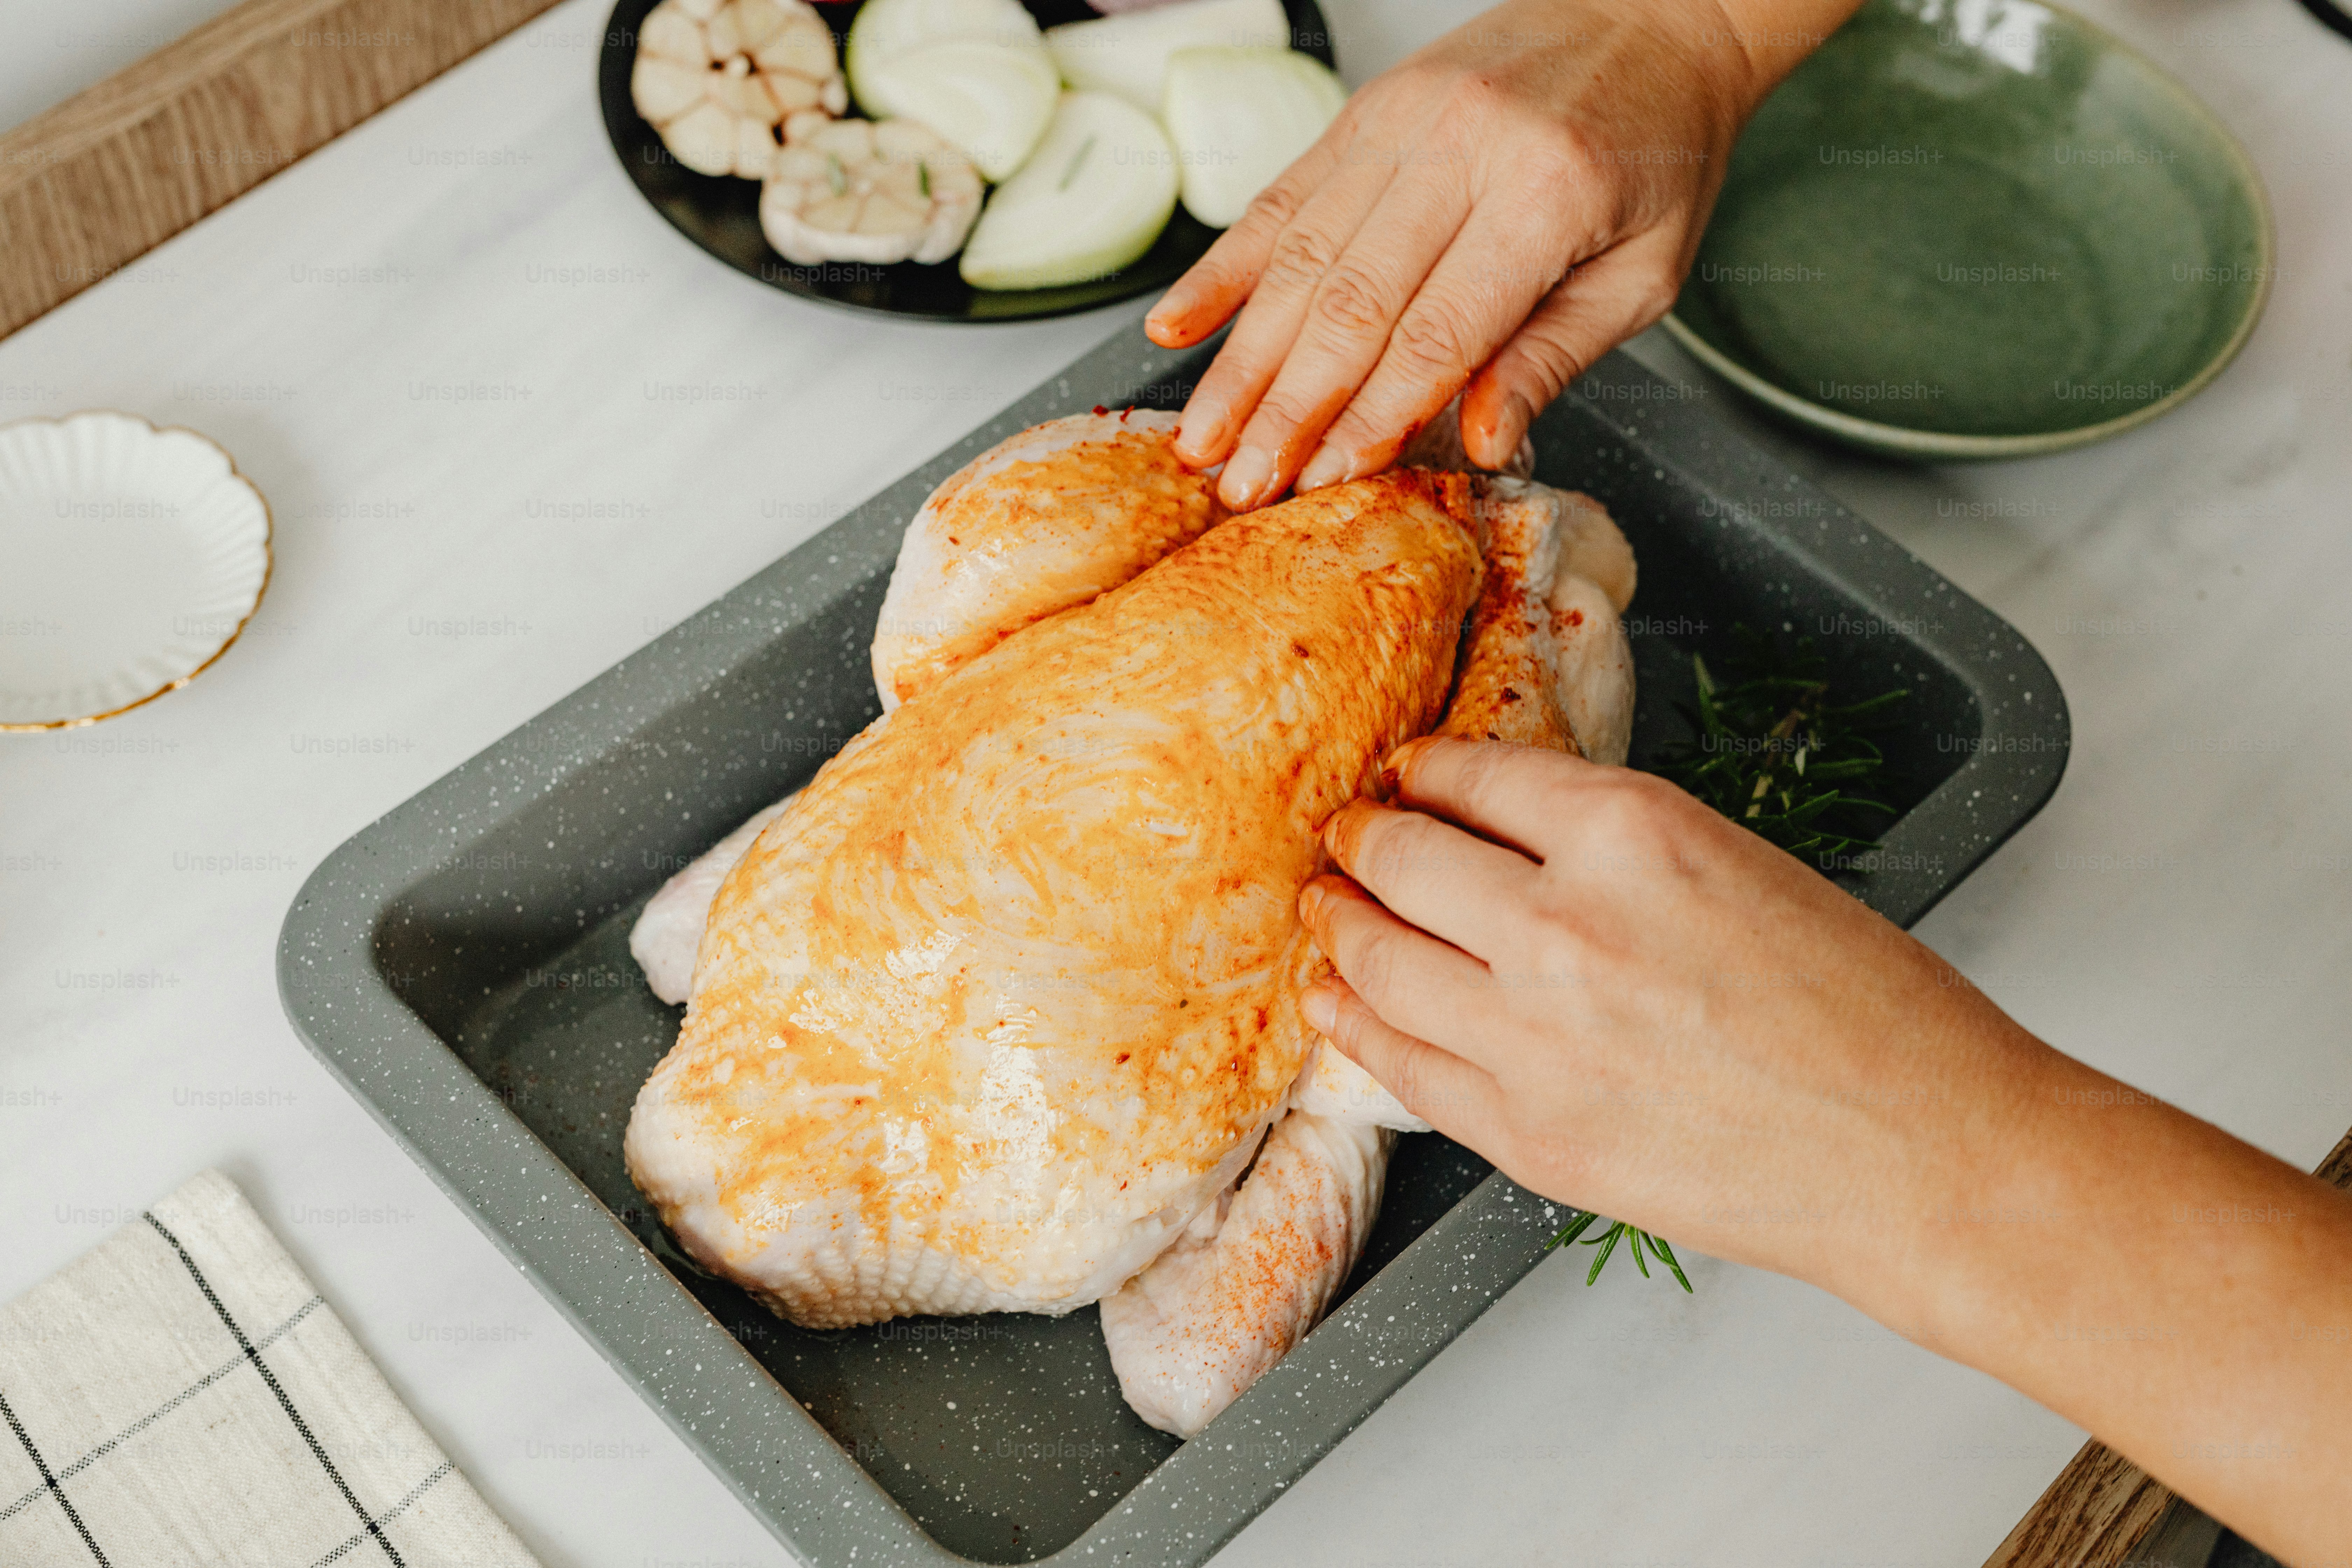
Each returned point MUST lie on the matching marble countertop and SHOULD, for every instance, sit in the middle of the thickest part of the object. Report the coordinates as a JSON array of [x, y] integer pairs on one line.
[[513, 426]]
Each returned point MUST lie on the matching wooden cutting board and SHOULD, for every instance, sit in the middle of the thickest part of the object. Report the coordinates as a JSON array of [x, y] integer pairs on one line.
[[111, 172]]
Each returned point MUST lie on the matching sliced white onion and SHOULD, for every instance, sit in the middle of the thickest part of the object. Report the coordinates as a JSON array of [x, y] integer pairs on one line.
[[1128, 54], [1238, 118], [1092, 198], [885, 29], [992, 101]]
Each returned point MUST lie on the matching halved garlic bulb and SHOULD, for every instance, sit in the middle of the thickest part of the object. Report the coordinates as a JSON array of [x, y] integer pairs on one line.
[[866, 190], [716, 78]]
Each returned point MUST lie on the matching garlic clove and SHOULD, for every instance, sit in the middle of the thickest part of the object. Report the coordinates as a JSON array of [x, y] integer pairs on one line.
[[804, 165], [751, 63], [663, 89], [755, 149], [958, 182], [834, 212], [746, 96], [752, 22], [704, 139], [673, 34], [803, 51], [884, 216], [726, 42], [789, 94], [902, 182]]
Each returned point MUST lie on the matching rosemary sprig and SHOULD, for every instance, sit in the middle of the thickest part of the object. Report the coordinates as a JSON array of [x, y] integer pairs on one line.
[[1607, 1241], [1773, 753]]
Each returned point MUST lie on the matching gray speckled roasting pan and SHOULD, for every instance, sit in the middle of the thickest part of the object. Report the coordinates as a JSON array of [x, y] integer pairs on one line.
[[462, 965]]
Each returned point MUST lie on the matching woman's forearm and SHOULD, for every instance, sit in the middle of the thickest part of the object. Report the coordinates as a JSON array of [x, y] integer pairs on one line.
[[2178, 1292]]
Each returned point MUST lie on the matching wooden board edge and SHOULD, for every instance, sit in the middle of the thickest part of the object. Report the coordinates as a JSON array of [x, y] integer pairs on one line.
[[91, 185], [2099, 1511]]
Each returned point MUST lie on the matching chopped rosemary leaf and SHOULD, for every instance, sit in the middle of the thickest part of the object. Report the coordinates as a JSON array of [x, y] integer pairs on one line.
[[1773, 753]]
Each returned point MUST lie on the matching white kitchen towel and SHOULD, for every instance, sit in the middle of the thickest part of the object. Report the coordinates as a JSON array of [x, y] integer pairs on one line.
[[181, 1396]]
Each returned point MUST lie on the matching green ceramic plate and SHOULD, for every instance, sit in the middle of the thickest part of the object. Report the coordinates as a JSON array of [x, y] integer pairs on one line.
[[1978, 228]]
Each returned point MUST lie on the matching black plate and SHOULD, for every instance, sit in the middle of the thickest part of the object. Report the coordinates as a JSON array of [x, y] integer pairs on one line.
[[721, 213]]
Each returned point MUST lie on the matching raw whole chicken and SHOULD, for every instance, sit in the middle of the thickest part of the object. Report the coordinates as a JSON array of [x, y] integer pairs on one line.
[[998, 1012]]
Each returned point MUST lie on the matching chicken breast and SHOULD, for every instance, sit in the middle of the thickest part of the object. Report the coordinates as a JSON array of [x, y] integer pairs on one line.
[[1592, 680], [1258, 1271], [1008, 997]]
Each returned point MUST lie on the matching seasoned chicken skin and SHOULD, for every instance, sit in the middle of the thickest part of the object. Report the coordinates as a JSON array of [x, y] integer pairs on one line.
[[1547, 663], [1008, 995], [1061, 512], [668, 935]]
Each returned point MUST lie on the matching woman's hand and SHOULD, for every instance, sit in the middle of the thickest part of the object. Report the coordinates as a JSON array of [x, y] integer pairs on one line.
[[1634, 1005], [1499, 210]]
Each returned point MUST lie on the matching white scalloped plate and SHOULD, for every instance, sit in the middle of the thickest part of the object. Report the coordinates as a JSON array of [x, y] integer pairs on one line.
[[129, 559]]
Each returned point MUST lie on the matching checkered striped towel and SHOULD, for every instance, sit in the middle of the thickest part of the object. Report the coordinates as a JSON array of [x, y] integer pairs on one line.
[[181, 1396]]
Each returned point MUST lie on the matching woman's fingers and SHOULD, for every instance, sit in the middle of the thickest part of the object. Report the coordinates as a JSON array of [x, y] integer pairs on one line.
[[1453, 885], [1417, 982], [1457, 1098], [1513, 795], [1345, 329], [1505, 258], [1324, 223], [1598, 306]]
